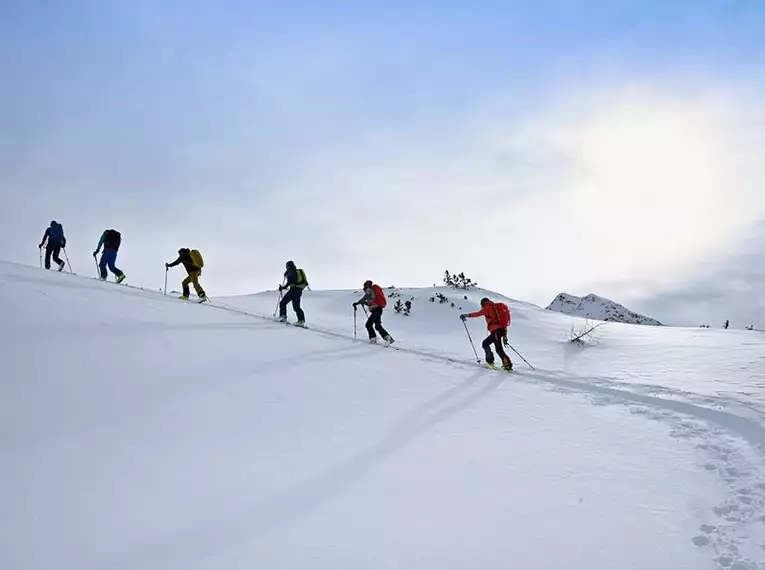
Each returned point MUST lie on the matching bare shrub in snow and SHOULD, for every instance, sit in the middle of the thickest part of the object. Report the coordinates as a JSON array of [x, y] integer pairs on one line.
[[584, 333]]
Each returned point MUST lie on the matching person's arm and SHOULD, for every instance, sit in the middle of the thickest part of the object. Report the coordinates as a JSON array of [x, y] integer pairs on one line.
[[174, 263], [100, 243], [481, 313], [369, 295], [290, 278], [46, 236]]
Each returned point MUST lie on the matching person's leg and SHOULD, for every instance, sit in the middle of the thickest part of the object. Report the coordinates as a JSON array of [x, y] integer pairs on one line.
[[297, 296], [55, 251], [377, 312], [370, 325], [194, 277], [498, 336], [48, 252], [112, 259], [102, 264], [286, 300], [185, 284], [486, 344]]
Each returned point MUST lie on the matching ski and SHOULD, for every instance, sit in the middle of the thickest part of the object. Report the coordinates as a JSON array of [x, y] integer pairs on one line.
[[496, 368]]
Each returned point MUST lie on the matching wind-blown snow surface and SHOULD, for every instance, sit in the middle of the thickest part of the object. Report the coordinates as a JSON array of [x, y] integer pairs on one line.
[[139, 431]]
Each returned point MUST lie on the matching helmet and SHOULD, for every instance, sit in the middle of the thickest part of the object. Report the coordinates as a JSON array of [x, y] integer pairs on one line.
[[367, 284], [290, 264], [183, 250], [484, 301], [53, 223]]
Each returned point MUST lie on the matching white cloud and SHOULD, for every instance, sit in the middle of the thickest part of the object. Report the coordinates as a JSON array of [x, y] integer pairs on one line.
[[611, 184]]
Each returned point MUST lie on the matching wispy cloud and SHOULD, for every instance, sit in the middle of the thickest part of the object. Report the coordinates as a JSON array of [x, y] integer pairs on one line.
[[367, 147]]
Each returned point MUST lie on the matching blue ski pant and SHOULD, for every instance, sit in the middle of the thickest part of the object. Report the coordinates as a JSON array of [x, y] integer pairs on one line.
[[108, 258]]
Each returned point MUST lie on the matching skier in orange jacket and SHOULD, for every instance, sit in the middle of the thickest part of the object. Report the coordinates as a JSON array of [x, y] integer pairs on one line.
[[497, 321]]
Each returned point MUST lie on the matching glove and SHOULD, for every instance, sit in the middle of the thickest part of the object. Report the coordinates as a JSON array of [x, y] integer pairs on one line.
[[281, 287], [463, 317], [95, 253], [40, 246], [355, 306], [504, 341], [167, 266]]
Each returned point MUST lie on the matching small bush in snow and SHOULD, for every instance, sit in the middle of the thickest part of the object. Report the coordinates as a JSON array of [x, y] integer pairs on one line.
[[458, 281], [404, 308]]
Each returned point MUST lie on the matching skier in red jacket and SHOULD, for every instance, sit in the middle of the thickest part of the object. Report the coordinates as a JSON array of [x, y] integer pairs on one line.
[[374, 298], [497, 321]]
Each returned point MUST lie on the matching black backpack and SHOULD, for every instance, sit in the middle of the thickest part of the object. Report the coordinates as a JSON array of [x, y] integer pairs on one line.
[[112, 239]]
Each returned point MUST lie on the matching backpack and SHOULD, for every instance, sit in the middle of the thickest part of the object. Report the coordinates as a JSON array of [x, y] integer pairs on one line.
[[503, 314], [302, 282], [380, 299], [112, 239], [56, 233], [196, 258]]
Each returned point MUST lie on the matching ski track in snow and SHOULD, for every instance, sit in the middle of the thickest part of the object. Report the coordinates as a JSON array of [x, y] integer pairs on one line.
[[728, 432], [715, 432]]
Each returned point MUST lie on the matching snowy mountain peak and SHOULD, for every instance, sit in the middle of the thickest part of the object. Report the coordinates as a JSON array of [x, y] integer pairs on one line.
[[593, 306]]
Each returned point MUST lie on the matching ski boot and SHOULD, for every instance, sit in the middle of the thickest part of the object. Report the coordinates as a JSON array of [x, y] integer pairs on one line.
[[121, 278], [61, 266], [389, 339], [283, 319], [373, 339], [300, 324], [184, 297]]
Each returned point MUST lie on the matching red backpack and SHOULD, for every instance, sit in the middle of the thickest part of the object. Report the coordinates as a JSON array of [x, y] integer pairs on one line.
[[503, 314], [380, 299]]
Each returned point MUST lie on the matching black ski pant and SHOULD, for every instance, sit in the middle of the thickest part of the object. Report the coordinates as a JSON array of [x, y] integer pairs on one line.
[[52, 250], [495, 339], [375, 322], [293, 296]]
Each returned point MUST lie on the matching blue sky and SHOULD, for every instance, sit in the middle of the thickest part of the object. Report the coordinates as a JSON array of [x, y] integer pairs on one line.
[[538, 146]]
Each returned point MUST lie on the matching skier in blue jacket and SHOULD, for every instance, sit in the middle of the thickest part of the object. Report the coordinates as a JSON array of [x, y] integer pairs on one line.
[[54, 236], [110, 240]]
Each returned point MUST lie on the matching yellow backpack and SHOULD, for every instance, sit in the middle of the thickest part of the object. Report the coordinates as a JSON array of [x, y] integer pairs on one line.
[[302, 282], [196, 258]]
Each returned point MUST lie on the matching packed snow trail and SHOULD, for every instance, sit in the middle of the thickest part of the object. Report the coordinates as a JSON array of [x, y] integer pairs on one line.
[[140, 431]]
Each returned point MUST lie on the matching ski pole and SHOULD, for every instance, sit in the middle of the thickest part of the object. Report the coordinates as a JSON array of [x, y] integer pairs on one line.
[[470, 338], [279, 300], [519, 354], [98, 271], [354, 322], [40, 248], [165, 289], [67, 261]]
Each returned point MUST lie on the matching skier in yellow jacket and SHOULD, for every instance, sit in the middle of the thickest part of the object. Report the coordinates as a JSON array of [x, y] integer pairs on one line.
[[192, 261]]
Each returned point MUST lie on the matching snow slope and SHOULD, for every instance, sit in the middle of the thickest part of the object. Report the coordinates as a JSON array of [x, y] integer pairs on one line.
[[595, 307], [139, 431]]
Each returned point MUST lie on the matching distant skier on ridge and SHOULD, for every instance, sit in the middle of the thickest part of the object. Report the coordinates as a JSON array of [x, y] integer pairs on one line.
[[497, 321], [55, 238], [374, 298], [295, 281], [193, 263], [110, 240]]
